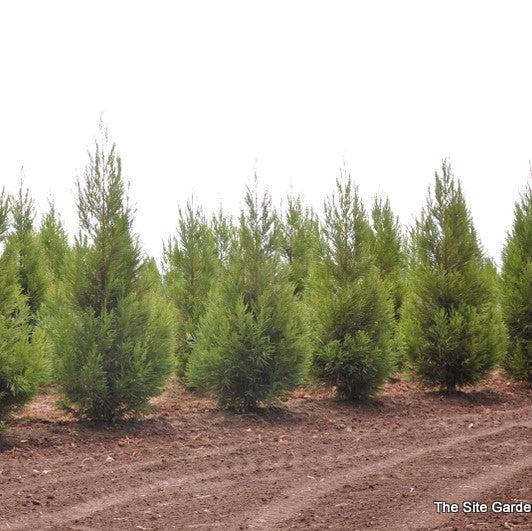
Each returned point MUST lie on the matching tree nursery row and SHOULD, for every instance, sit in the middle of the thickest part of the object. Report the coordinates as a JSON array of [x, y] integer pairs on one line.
[[245, 309]]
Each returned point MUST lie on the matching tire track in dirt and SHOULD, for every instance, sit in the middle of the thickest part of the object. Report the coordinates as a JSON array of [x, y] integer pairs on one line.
[[198, 453], [301, 497], [271, 515], [458, 493]]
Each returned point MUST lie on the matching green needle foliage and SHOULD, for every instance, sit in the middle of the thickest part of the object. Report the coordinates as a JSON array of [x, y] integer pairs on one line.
[[389, 251], [24, 245], [113, 341], [252, 342], [22, 363], [300, 242], [191, 263], [451, 322], [54, 243], [224, 233], [390, 258], [354, 321], [517, 290]]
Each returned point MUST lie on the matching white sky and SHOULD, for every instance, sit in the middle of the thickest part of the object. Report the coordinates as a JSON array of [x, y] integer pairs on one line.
[[199, 94]]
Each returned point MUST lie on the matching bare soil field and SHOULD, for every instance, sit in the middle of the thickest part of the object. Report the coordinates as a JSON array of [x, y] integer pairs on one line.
[[315, 463]]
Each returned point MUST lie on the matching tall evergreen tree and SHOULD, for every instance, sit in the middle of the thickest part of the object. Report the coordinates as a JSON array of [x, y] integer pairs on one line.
[[224, 233], [190, 262], [451, 323], [353, 312], [54, 243], [517, 290], [24, 244], [389, 250], [300, 242], [252, 342], [113, 341], [22, 363]]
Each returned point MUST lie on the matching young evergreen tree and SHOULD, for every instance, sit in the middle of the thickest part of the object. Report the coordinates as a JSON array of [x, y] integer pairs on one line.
[[517, 290], [113, 341], [24, 245], [300, 242], [353, 313], [224, 233], [252, 343], [190, 263], [389, 251], [54, 243], [22, 364], [451, 323]]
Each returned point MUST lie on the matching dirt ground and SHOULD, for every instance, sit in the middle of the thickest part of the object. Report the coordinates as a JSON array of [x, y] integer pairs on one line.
[[316, 463]]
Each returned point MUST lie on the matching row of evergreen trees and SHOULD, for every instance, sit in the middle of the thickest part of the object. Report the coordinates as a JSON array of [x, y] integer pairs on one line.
[[246, 310]]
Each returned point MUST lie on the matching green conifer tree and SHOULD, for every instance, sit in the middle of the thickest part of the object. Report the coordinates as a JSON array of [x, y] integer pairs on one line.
[[24, 245], [190, 263], [300, 242], [22, 364], [451, 323], [224, 233], [353, 314], [252, 343], [517, 290], [113, 341], [54, 242], [388, 248]]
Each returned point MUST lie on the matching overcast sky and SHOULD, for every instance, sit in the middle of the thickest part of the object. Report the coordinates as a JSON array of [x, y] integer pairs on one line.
[[198, 95]]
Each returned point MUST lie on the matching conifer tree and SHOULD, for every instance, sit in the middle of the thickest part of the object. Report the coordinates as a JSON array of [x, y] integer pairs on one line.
[[353, 314], [224, 234], [54, 243], [22, 364], [252, 343], [190, 262], [113, 341], [517, 290], [23, 244], [300, 242], [451, 323], [388, 249]]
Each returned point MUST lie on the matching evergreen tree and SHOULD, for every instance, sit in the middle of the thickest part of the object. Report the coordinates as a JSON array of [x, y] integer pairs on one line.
[[517, 290], [224, 234], [353, 312], [54, 242], [113, 341], [22, 364], [451, 324], [252, 342], [23, 244], [190, 262], [389, 251], [300, 242]]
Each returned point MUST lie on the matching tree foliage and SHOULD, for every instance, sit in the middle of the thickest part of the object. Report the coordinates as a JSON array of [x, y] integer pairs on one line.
[[353, 315], [22, 363], [299, 242], [517, 289], [24, 246], [451, 323], [252, 342], [113, 341], [191, 262]]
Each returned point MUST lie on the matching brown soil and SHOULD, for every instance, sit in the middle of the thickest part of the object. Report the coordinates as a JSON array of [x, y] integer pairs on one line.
[[314, 464]]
